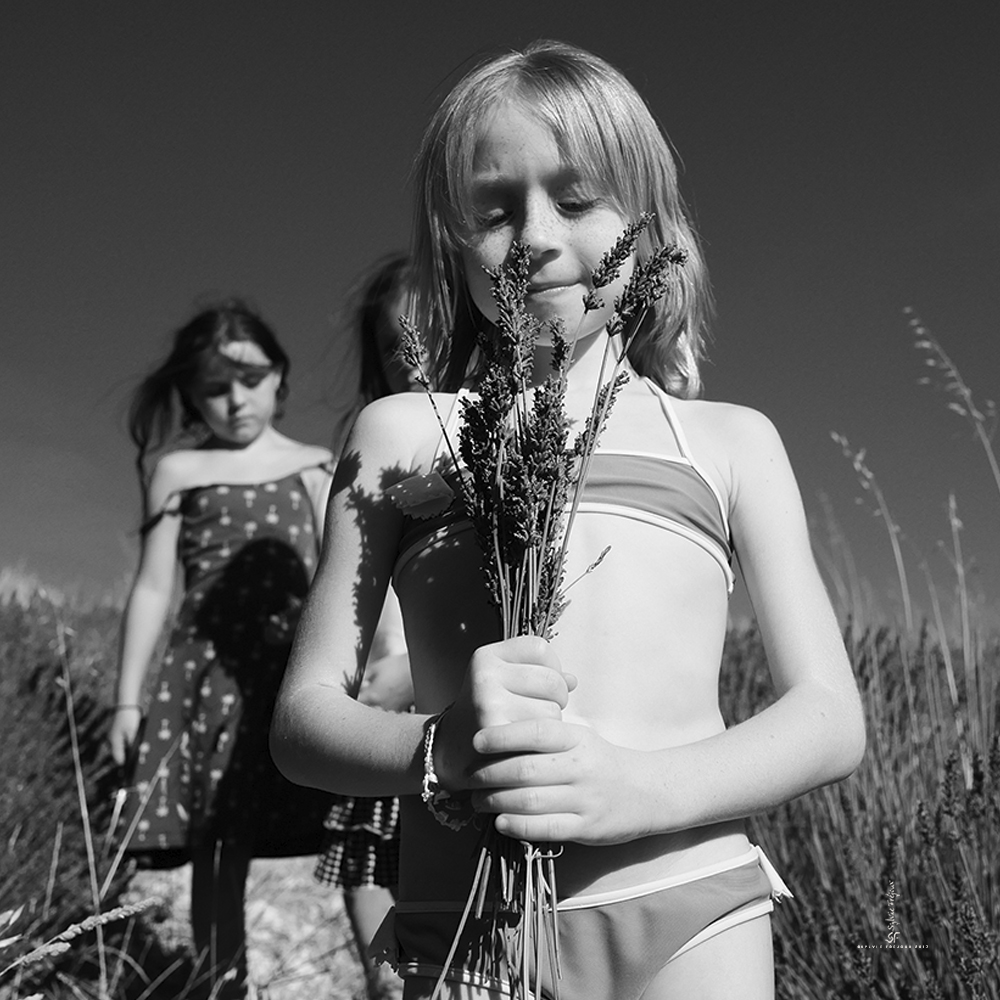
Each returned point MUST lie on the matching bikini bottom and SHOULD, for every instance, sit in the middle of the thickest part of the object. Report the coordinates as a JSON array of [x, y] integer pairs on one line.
[[611, 944]]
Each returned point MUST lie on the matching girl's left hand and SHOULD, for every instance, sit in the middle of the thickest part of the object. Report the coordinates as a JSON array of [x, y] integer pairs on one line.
[[557, 781], [387, 684]]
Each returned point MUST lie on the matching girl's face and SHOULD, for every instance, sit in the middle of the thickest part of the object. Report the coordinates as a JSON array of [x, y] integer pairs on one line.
[[236, 392], [523, 189]]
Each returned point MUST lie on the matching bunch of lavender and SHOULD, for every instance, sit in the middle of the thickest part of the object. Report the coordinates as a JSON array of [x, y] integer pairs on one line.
[[513, 446], [521, 486]]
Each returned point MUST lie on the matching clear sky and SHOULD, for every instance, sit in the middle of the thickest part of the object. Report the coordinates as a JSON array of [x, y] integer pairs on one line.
[[841, 161]]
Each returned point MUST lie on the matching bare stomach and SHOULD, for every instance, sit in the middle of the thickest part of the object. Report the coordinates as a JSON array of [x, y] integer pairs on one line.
[[644, 639]]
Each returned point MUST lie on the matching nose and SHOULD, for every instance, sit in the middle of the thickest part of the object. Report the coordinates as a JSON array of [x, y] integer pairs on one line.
[[541, 225], [237, 395]]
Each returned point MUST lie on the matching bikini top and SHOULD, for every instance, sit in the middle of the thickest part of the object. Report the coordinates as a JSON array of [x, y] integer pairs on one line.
[[671, 492]]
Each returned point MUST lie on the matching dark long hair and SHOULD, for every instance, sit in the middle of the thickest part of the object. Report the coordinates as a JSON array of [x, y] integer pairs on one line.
[[161, 407], [373, 294]]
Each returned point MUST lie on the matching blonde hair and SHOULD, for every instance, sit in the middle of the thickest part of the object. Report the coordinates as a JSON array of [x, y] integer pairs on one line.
[[604, 128]]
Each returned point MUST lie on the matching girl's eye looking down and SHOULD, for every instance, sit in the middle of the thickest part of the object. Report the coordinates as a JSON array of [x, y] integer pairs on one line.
[[577, 206], [491, 219], [215, 389]]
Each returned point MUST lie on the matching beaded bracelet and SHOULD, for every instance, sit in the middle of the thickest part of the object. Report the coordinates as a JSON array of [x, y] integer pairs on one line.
[[451, 810]]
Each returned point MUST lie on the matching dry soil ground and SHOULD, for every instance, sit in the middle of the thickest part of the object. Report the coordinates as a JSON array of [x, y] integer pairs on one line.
[[300, 945]]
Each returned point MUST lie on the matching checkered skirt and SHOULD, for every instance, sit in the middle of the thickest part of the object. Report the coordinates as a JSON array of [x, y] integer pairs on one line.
[[360, 843]]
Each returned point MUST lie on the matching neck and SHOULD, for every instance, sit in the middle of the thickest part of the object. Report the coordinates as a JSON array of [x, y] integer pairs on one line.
[[592, 360], [267, 435]]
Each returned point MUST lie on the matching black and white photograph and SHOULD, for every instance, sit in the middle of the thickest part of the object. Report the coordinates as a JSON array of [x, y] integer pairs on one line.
[[500, 501]]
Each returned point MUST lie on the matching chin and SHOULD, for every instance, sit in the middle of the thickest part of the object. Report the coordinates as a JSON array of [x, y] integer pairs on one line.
[[570, 322], [244, 435]]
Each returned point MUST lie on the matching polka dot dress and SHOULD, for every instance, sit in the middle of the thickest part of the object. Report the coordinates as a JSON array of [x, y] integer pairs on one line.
[[203, 771]]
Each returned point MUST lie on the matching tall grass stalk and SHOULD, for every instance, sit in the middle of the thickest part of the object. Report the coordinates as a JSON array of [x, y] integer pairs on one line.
[[61, 943], [846, 582], [161, 776], [949, 669], [973, 693], [870, 484], [81, 790], [963, 402], [53, 868]]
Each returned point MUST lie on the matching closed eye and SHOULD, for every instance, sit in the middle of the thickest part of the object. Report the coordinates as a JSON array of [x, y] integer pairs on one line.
[[568, 206], [577, 206], [491, 219], [249, 380]]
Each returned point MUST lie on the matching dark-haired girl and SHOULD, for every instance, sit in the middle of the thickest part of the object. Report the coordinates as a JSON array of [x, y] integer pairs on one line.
[[239, 506]]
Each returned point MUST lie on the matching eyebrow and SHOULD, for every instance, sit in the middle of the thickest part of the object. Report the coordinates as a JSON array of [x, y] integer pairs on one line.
[[235, 369]]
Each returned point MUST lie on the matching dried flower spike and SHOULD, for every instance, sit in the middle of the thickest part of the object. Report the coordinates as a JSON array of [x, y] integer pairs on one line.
[[411, 351], [611, 263]]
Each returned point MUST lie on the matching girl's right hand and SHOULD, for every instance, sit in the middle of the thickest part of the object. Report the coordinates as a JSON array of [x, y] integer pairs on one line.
[[515, 680], [124, 729]]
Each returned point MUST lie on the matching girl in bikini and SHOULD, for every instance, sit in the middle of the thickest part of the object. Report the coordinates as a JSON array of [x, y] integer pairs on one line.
[[608, 739], [239, 505]]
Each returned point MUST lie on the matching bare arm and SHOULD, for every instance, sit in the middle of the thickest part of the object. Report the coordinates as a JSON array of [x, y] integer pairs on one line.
[[576, 786], [321, 736], [814, 732], [146, 610]]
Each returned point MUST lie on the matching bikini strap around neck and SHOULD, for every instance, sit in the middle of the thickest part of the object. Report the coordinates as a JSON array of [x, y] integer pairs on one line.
[[673, 421], [667, 405]]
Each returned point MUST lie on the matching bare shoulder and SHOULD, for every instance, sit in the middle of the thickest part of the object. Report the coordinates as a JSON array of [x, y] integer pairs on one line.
[[287, 450], [403, 428], [314, 465], [314, 458], [176, 471], [407, 407], [736, 441], [730, 422], [314, 454]]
